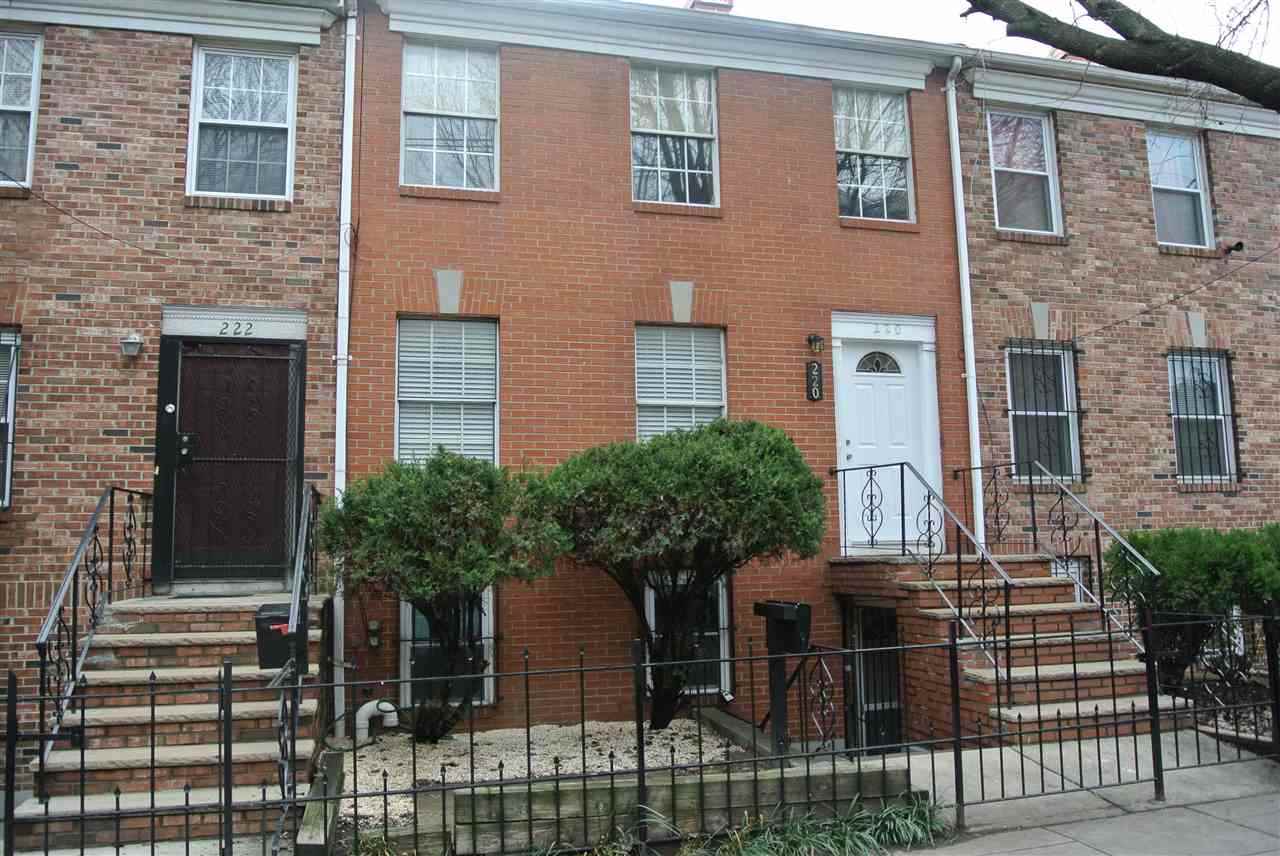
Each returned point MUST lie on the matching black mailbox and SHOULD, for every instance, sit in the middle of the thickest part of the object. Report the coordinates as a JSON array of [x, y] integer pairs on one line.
[[786, 631], [275, 645], [786, 625]]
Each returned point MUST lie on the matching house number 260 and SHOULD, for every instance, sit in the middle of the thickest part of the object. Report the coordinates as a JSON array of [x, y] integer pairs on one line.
[[888, 330], [236, 328]]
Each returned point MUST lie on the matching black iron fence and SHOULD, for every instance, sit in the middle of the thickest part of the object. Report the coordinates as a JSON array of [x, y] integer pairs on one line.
[[564, 755]]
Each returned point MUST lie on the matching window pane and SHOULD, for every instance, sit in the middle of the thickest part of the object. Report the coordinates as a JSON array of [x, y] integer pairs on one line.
[[480, 136], [701, 119], [1046, 439], [451, 62], [450, 169], [451, 134], [873, 202], [19, 56], [673, 152], [850, 205], [1017, 142], [1201, 451], [644, 150], [480, 171], [1178, 217], [644, 113], [847, 169], [896, 205], [674, 114], [451, 95], [15, 91], [1036, 381], [1195, 385], [252, 161], [419, 167], [644, 81], [14, 128], [1022, 202], [645, 185], [701, 188], [483, 64], [672, 185], [482, 98], [1172, 158]]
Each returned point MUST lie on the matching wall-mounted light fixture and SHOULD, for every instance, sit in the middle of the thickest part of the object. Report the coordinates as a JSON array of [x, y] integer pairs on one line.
[[373, 638], [815, 343], [131, 345]]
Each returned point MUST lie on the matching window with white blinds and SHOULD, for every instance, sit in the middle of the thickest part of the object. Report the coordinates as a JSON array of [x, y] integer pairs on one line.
[[680, 380], [9, 342], [447, 388]]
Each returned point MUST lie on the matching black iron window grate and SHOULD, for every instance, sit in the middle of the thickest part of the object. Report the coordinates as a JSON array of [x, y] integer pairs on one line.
[[1043, 411], [1203, 418]]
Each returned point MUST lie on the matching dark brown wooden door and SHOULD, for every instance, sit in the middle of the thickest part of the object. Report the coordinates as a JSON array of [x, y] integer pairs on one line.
[[233, 459]]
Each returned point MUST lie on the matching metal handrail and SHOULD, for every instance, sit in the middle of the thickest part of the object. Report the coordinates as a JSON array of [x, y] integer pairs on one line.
[[301, 586], [1089, 511]]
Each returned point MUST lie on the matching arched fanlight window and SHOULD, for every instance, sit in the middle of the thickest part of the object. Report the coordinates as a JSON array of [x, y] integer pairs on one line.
[[878, 362]]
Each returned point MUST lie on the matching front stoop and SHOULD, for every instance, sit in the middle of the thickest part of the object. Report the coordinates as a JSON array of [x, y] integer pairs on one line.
[[149, 715]]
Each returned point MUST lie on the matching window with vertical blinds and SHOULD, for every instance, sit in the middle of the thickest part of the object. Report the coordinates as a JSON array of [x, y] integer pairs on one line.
[[679, 379], [9, 341], [447, 388]]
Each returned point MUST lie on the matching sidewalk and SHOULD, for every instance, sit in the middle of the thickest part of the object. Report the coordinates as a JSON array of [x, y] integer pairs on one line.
[[1228, 810]]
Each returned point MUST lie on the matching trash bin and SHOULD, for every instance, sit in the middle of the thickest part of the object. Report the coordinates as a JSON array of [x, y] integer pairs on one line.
[[275, 645]]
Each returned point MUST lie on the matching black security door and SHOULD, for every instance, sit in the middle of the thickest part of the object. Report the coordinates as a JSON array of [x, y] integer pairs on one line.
[[228, 459]]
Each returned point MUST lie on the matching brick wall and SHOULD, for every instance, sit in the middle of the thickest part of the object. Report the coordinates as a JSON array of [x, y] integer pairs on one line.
[[568, 265], [1109, 267], [111, 148]]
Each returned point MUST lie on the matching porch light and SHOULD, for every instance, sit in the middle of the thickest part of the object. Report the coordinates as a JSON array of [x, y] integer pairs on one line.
[[131, 345], [815, 343]]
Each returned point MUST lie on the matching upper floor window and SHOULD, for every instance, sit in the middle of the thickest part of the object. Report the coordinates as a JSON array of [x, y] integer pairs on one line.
[[450, 125], [1024, 172], [242, 124], [19, 95], [1043, 416], [447, 388], [679, 378], [1179, 187], [1200, 404], [673, 136], [873, 154], [10, 341]]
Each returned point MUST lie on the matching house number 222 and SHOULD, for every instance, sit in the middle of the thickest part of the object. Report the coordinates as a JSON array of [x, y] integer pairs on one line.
[[236, 328]]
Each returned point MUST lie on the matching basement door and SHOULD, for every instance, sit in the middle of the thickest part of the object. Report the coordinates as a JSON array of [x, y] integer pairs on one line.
[[228, 459], [873, 689]]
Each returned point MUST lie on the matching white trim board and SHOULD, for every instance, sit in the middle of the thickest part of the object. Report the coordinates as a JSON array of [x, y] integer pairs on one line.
[[235, 322], [890, 328], [230, 19], [670, 36], [1053, 93]]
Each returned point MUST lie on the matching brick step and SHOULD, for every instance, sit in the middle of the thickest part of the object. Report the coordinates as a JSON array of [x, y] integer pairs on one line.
[[1091, 718], [195, 765], [1048, 618], [1100, 679], [199, 685], [1050, 649], [192, 614], [104, 833], [179, 724], [922, 594], [134, 650]]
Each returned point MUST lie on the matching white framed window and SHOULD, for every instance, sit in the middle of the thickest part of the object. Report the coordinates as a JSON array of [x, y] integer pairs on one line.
[[447, 388], [1179, 188], [1024, 172], [873, 154], [1043, 416], [680, 378], [712, 639], [1203, 422], [674, 143], [446, 397], [243, 113], [449, 117], [19, 99], [10, 346], [420, 658]]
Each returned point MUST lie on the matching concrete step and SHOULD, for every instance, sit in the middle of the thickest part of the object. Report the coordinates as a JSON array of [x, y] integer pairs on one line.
[[1059, 671], [242, 845], [1106, 708], [179, 650], [181, 724], [1026, 610], [164, 799], [1018, 582], [181, 713], [197, 755], [193, 614]]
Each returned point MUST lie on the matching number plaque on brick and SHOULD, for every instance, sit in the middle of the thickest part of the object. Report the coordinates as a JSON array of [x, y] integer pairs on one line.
[[813, 380]]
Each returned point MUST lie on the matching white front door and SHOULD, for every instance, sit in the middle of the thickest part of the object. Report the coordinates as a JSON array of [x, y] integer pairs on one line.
[[881, 423]]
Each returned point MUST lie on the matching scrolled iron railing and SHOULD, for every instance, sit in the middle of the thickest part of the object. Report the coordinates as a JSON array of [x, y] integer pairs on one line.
[[983, 589], [111, 560]]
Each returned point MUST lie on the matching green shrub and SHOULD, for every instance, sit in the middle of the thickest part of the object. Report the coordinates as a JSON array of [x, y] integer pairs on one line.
[[437, 533], [676, 514]]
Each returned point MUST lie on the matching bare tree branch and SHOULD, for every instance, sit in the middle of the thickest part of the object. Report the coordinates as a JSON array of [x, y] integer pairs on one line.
[[1142, 47]]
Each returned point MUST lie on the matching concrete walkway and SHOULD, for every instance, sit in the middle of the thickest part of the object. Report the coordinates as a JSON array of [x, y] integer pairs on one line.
[[1228, 810]]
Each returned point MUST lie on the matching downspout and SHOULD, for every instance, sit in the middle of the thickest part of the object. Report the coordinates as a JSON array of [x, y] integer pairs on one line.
[[966, 304], [342, 355]]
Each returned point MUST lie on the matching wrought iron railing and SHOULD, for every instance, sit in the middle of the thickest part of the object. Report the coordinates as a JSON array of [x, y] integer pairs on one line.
[[111, 560], [1038, 514], [983, 589]]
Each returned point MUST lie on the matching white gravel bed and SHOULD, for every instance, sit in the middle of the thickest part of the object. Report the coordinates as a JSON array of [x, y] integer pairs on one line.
[[394, 753]]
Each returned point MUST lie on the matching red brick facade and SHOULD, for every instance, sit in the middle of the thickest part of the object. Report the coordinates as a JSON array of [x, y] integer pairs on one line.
[[1107, 267], [568, 265], [111, 151]]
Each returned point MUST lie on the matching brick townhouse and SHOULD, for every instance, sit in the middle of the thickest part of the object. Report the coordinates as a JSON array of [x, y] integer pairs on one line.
[[168, 225], [1124, 334]]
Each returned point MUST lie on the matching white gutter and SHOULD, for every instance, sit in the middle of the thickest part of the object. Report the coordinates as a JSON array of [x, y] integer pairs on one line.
[[342, 356], [966, 303]]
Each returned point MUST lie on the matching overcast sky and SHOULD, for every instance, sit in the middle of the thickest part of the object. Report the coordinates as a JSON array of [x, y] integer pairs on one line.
[[940, 21]]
